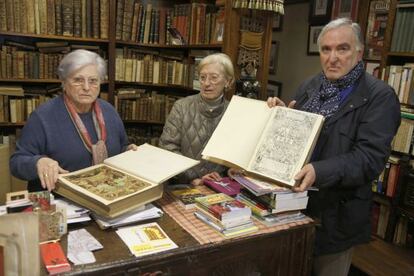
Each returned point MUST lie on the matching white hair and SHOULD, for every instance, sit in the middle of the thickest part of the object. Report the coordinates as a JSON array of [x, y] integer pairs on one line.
[[340, 22], [80, 58], [222, 59]]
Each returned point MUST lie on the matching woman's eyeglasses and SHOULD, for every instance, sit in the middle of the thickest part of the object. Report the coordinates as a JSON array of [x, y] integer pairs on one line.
[[79, 81], [213, 78]]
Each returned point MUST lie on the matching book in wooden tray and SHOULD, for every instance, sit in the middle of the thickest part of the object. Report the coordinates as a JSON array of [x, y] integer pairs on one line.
[[123, 182], [269, 143]]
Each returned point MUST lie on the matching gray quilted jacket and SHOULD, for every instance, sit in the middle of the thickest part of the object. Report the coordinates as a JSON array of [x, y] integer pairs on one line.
[[187, 130]]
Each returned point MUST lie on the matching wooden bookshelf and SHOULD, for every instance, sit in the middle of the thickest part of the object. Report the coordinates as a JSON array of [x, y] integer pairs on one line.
[[56, 37]]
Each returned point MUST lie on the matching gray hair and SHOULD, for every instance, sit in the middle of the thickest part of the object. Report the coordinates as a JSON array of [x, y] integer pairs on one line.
[[222, 59], [77, 59], [340, 22]]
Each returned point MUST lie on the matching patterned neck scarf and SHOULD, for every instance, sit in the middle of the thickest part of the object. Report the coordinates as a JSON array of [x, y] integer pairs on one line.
[[98, 150], [327, 100]]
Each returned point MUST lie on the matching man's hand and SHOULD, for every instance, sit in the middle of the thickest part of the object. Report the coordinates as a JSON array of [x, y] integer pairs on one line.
[[48, 171], [304, 178], [275, 101]]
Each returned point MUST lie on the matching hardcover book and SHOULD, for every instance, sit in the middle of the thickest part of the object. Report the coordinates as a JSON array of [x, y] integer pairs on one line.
[[123, 182], [187, 196], [274, 144], [226, 186]]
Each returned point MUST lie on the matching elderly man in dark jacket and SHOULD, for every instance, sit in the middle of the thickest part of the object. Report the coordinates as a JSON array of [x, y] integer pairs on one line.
[[362, 115]]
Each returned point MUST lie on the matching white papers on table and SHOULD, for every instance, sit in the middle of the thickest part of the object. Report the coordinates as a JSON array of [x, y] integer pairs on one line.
[[74, 212], [80, 246], [148, 212], [145, 239]]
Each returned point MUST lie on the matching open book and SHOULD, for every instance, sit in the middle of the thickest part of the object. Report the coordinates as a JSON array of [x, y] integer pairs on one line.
[[123, 182], [273, 143]]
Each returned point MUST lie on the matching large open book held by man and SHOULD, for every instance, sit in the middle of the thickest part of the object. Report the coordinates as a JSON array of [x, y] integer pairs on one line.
[[274, 143], [123, 182]]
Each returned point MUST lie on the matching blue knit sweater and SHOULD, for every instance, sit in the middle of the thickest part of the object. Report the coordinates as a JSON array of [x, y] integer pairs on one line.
[[50, 132]]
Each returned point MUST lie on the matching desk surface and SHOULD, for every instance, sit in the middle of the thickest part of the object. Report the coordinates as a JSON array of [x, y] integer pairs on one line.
[[283, 252]]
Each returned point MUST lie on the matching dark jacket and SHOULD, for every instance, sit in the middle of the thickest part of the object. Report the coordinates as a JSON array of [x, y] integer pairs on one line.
[[351, 152]]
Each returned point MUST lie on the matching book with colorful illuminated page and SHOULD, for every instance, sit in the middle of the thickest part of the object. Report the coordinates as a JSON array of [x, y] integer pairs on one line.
[[123, 182], [274, 144]]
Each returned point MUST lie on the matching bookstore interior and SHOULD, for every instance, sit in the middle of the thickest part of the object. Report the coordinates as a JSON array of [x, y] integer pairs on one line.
[[141, 203]]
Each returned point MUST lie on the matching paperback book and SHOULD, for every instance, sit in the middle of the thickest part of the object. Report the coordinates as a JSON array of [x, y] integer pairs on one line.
[[226, 186], [274, 144], [123, 182], [146, 239]]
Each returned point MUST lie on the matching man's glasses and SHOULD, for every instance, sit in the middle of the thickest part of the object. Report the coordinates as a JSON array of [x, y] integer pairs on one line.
[[79, 81], [214, 78]]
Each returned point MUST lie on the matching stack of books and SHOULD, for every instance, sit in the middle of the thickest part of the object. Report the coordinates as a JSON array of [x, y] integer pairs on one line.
[[225, 214], [270, 203]]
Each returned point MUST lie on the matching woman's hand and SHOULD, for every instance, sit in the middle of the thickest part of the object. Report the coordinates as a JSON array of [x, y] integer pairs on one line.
[[132, 147], [305, 178], [48, 171], [213, 176], [233, 172], [275, 101]]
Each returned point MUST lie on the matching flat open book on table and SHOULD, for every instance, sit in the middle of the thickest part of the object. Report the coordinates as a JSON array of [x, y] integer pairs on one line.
[[274, 143], [123, 182]]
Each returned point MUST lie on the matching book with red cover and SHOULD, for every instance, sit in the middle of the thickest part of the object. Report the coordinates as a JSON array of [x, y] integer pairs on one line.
[[54, 258], [226, 186]]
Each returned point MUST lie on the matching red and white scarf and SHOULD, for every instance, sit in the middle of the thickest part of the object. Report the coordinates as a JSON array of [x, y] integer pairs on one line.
[[98, 150]]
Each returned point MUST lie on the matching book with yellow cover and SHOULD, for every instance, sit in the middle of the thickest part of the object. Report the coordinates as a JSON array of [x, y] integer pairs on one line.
[[123, 182], [146, 239], [273, 143]]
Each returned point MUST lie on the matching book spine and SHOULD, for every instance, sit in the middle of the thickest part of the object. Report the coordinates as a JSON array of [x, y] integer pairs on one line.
[[95, 19], [104, 19], [77, 18]]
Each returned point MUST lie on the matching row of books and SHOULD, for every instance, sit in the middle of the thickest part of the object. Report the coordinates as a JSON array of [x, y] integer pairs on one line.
[[380, 217], [140, 135], [402, 141], [137, 104], [145, 23], [404, 232], [37, 61], [155, 70], [404, 24], [142, 106], [78, 18], [401, 78], [17, 102], [387, 181]]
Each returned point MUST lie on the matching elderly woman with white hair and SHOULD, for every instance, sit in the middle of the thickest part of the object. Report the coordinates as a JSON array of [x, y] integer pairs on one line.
[[72, 131], [193, 119]]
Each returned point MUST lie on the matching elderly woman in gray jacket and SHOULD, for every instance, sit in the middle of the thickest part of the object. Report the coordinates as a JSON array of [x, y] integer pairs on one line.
[[193, 119]]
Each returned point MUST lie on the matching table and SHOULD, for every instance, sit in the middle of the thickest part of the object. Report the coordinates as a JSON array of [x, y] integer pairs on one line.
[[283, 252]]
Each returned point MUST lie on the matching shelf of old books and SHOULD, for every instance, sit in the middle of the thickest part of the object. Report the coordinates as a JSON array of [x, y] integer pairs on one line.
[[54, 37], [216, 46]]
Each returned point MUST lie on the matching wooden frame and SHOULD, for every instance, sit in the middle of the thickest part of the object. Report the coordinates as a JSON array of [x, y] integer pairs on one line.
[[345, 8], [274, 50], [313, 34], [274, 88], [277, 22], [320, 11]]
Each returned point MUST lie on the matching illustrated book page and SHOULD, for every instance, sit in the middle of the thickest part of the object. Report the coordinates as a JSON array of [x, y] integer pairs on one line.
[[235, 138], [285, 146], [151, 163], [273, 143], [104, 184]]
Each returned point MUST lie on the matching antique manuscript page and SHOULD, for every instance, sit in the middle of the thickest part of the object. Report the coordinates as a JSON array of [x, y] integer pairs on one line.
[[284, 147], [151, 163], [238, 132]]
